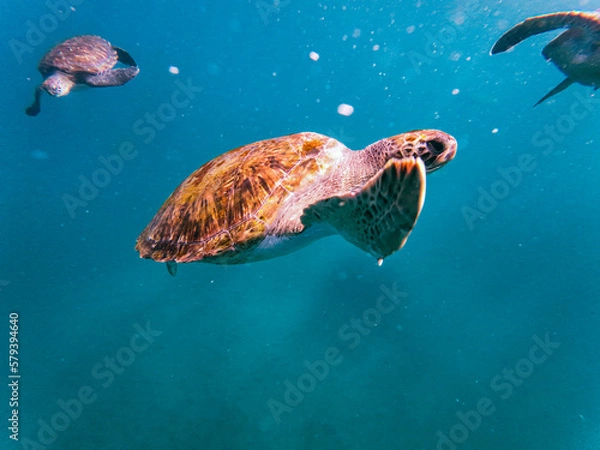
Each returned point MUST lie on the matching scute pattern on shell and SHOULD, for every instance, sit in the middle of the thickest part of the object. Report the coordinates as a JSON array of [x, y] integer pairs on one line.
[[228, 203], [90, 54]]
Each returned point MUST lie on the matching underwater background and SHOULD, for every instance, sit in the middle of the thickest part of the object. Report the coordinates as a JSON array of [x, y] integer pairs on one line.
[[491, 341]]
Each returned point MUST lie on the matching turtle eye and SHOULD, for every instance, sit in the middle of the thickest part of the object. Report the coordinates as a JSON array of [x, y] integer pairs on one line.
[[435, 147]]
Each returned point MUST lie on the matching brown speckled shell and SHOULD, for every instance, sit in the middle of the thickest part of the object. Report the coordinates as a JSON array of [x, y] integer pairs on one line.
[[228, 203], [90, 54]]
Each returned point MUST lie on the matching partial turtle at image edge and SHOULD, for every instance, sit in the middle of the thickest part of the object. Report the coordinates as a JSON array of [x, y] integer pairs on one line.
[[82, 60], [576, 52], [275, 196]]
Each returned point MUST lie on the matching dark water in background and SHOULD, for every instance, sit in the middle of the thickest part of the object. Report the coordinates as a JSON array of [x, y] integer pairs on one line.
[[474, 296]]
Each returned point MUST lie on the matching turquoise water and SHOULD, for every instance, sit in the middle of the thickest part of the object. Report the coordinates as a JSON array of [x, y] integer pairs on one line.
[[480, 334]]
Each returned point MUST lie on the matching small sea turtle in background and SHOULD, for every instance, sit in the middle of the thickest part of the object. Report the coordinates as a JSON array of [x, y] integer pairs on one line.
[[576, 52], [82, 60], [272, 197]]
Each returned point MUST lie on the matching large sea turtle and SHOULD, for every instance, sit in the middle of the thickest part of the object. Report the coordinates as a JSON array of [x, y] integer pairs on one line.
[[271, 197], [82, 60], [576, 52]]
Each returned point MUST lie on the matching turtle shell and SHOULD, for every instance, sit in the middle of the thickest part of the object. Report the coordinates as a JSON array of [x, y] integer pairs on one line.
[[90, 54], [228, 204]]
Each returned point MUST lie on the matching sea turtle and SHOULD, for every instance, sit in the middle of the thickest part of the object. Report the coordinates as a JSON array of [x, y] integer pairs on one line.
[[576, 52], [81, 60], [271, 197]]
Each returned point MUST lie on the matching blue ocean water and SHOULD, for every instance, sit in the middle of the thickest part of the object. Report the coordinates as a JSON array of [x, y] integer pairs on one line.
[[480, 334]]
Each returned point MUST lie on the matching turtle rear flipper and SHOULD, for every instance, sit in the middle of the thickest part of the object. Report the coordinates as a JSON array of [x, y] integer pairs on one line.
[[172, 268], [559, 88], [34, 109], [379, 217], [542, 24], [114, 77], [124, 57]]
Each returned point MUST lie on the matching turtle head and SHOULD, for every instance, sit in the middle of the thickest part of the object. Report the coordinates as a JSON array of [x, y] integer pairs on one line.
[[58, 84], [434, 147]]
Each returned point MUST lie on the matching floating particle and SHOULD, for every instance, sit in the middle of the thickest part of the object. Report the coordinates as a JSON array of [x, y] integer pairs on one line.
[[375, 47], [314, 56], [455, 56], [411, 29], [356, 33], [459, 18], [495, 130], [174, 70], [345, 110], [455, 91]]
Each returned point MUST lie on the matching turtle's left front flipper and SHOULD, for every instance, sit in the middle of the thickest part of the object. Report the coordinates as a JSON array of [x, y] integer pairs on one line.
[[114, 77], [34, 109], [542, 24], [380, 216], [124, 57]]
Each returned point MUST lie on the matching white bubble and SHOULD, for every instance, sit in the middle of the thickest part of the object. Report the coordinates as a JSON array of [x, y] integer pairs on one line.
[[314, 56], [495, 130], [410, 29], [375, 47], [345, 110], [174, 70], [455, 91]]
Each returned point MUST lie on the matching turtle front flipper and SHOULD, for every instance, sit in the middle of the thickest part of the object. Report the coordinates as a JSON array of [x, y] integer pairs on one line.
[[114, 77], [561, 87], [542, 24], [124, 57], [379, 217], [34, 109]]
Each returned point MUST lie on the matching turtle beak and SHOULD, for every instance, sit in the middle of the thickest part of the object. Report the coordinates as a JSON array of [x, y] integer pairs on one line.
[[57, 86], [441, 148]]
